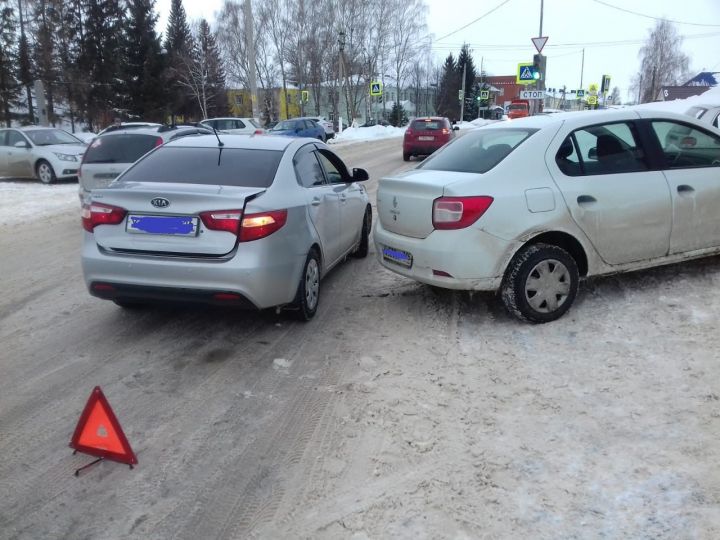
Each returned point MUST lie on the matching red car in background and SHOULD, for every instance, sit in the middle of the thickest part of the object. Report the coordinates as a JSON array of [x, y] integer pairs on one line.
[[425, 135]]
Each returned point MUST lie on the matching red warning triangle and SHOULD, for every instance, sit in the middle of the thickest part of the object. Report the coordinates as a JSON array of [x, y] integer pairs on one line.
[[99, 434]]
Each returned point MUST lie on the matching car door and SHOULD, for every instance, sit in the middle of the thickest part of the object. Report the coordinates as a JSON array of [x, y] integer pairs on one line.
[[691, 164], [323, 202], [239, 126], [4, 172], [352, 205], [623, 207], [20, 159]]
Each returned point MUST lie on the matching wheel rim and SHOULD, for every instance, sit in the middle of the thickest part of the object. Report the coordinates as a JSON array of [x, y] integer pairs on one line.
[[44, 173], [312, 284], [547, 286]]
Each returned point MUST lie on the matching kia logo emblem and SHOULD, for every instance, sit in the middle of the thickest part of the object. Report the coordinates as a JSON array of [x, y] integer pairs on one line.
[[159, 202]]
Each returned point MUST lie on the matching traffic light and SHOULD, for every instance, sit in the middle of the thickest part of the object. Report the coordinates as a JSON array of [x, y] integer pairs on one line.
[[539, 67]]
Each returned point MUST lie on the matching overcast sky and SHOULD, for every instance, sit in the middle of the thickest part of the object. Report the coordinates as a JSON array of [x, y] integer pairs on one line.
[[502, 39]]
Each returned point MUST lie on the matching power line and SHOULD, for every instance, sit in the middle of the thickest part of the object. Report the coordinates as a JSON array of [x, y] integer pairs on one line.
[[474, 21], [650, 16]]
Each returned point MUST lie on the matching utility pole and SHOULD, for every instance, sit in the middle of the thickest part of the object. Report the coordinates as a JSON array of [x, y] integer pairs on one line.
[[582, 73], [341, 43], [541, 81], [251, 57], [462, 101], [482, 84]]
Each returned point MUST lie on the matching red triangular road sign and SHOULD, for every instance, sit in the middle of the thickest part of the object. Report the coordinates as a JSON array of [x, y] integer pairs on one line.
[[99, 434], [539, 43]]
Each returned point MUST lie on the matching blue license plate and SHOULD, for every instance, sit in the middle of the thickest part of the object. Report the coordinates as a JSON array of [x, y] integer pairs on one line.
[[170, 225], [397, 256]]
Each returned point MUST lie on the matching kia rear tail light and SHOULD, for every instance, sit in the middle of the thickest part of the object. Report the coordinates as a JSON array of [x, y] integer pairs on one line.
[[408, 132], [95, 214], [445, 131], [222, 220], [256, 226], [459, 212], [248, 227]]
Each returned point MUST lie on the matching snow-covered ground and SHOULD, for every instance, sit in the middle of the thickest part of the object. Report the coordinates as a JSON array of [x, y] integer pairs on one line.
[[373, 133], [25, 200]]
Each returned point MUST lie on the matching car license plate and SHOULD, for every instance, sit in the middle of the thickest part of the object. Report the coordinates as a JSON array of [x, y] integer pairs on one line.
[[172, 225], [397, 256], [426, 138]]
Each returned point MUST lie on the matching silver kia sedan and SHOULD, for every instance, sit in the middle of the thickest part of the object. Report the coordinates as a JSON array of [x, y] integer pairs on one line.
[[231, 220]]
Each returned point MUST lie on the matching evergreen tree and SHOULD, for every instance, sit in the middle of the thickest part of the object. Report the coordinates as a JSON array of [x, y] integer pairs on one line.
[[397, 115], [8, 59], [180, 46], [215, 72], [465, 62], [144, 97], [25, 67], [72, 80], [102, 57], [447, 103]]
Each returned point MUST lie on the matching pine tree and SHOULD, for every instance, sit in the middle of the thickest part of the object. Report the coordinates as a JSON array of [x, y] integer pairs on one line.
[[102, 56], [215, 72], [8, 59], [397, 115], [25, 67], [447, 103], [465, 62], [72, 81], [179, 45], [144, 97]]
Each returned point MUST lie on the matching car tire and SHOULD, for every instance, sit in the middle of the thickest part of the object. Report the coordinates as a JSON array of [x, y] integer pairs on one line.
[[555, 269], [308, 292], [44, 172], [406, 156], [364, 245]]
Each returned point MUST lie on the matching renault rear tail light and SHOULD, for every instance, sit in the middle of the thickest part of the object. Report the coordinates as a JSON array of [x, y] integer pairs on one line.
[[158, 142], [95, 214], [459, 212]]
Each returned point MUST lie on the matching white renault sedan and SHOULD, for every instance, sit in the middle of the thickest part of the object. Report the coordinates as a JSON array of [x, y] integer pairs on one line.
[[39, 152], [527, 209]]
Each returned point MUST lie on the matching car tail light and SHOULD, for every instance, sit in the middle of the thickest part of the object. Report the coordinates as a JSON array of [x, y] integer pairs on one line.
[[259, 132], [159, 142], [459, 212], [80, 172], [222, 220], [256, 226], [445, 131], [95, 214]]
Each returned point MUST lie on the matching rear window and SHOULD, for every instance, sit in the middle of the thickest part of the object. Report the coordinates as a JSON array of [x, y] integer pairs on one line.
[[477, 152], [120, 148], [428, 125], [214, 166]]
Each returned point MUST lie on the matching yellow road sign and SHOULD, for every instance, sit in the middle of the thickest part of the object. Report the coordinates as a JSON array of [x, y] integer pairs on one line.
[[593, 88], [376, 88], [592, 100], [525, 74]]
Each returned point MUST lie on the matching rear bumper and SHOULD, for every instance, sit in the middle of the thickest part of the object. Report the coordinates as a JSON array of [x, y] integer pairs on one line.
[[474, 260], [142, 293], [255, 272], [422, 148]]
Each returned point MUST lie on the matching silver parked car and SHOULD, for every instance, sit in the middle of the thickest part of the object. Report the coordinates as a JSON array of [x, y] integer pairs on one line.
[[39, 152], [242, 221], [236, 126], [109, 154], [528, 207]]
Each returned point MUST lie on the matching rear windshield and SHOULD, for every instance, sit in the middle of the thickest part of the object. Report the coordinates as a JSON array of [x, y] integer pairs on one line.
[[477, 152], [428, 125], [215, 166], [124, 148]]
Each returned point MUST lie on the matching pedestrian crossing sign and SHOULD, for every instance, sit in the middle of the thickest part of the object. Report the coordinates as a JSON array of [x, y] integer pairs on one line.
[[376, 88], [525, 74]]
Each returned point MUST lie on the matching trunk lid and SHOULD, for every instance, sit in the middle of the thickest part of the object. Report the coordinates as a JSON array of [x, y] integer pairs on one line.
[[405, 202], [152, 235]]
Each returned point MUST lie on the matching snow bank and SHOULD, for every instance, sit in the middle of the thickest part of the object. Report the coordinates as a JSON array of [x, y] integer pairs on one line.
[[368, 134], [711, 97], [25, 200]]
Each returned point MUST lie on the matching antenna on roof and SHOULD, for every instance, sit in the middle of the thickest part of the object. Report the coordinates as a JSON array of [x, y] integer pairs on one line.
[[220, 143]]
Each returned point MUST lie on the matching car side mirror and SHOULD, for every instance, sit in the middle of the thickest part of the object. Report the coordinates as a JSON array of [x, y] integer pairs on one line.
[[456, 128], [21, 144], [592, 153], [360, 175]]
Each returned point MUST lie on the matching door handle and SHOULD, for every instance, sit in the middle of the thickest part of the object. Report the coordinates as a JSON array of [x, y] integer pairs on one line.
[[586, 199], [684, 189], [316, 201]]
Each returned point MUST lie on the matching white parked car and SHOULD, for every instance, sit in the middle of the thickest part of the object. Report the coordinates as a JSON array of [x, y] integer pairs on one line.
[[39, 152], [236, 126], [710, 114], [529, 207]]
